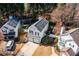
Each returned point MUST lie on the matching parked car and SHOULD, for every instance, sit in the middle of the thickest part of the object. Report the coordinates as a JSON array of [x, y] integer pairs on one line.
[[10, 45]]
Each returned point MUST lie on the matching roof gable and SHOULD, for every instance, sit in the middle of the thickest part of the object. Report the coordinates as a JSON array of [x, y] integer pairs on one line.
[[75, 36]]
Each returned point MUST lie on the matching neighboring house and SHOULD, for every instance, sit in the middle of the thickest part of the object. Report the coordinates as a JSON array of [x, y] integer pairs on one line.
[[11, 25], [71, 41], [37, 31]]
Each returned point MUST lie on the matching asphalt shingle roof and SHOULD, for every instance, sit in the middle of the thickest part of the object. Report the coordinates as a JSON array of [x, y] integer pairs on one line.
[[75, 36], [71, 52], [41, 24]]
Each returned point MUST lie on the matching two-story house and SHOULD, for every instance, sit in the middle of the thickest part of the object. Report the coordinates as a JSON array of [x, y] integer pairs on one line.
[[37, 31], [70, 40], [11, 25]]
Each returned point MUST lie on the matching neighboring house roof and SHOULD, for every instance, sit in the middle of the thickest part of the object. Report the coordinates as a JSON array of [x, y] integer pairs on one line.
[[75, 36], [10, 25], [72, 30], [71, 52], [41, 24]]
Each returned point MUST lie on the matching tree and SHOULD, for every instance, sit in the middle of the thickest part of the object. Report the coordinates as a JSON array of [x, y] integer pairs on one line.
[[10, 7], [41, 7], [45, 40], [1, 35], [67, 17]]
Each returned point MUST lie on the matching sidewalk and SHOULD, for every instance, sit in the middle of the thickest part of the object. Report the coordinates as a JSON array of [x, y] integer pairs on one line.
[[53, 52]]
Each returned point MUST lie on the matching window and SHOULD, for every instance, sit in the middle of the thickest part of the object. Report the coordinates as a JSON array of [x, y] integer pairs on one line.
[[38, 34], [35, 33], [69, 44], [30, 31]]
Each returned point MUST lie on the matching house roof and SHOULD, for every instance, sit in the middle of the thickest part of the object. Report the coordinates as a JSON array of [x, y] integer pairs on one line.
[[12, 23], [75, 36], [41, 24], [72, 30], [71, 52]]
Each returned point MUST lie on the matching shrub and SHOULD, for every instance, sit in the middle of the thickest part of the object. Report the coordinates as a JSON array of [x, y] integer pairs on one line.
[[57, 50], [45, 40]]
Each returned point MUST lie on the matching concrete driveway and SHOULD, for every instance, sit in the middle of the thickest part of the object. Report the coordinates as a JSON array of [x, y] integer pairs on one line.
[[43, 51], [33, 49], [28, 49]]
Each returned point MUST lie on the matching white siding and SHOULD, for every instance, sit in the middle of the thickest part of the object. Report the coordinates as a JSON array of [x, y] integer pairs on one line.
[[32, 36], [75, 47], [17, 28], [65, 39], [69, 42], [9, 27], [35, 37]]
